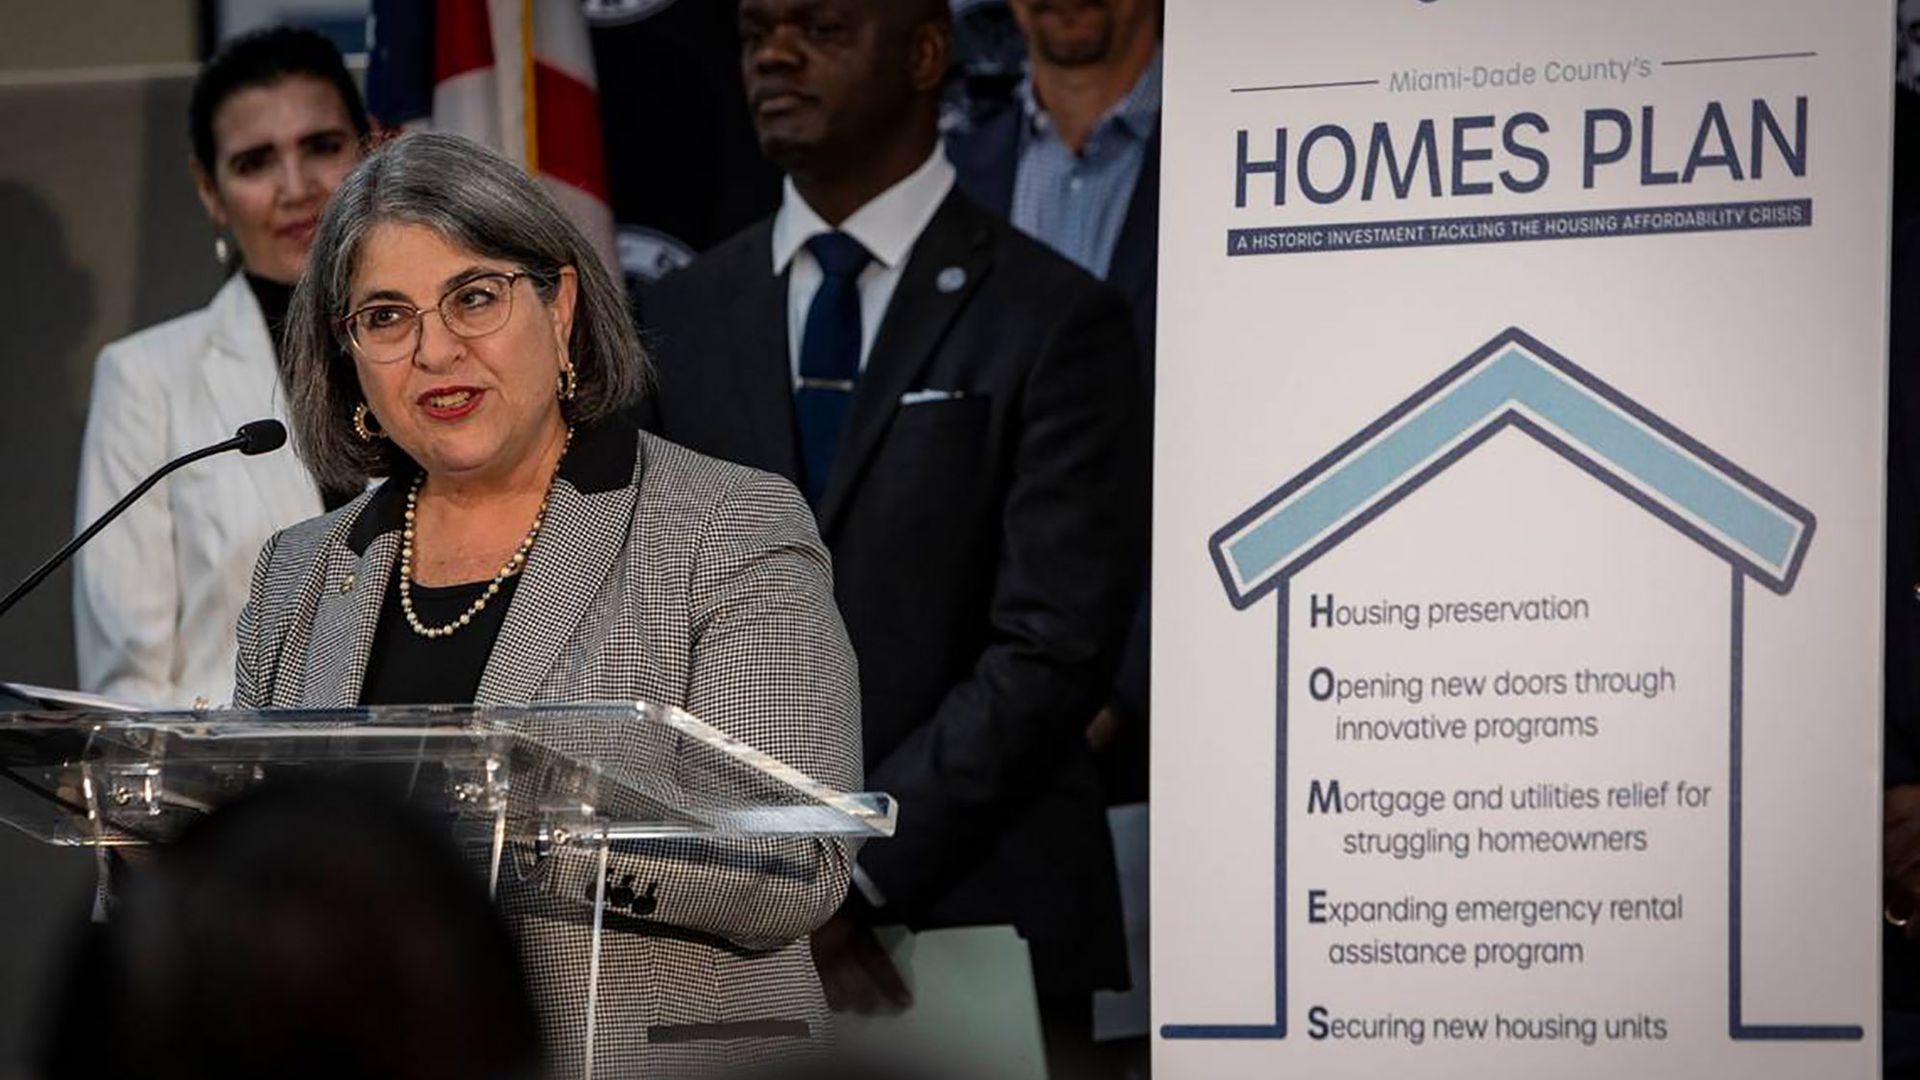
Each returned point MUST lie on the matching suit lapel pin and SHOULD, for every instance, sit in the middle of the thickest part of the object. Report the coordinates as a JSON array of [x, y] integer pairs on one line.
[[347, 585], [951, 280]]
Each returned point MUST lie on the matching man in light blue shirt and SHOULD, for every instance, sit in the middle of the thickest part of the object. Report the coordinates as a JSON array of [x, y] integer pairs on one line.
[[1073, 185], [1065, 162]]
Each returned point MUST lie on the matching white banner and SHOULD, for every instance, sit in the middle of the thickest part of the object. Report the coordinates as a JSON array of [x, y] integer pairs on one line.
[[1518, 538]]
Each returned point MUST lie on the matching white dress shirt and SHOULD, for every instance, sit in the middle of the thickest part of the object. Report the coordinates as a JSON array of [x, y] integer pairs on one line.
[[887, 227]]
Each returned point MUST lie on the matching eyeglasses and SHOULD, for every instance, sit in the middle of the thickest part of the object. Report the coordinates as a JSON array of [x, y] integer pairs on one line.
[[387, 331]]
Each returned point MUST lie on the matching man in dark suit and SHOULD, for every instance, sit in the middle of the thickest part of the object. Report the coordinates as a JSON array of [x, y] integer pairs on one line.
[[1073, 160], [964, 409]]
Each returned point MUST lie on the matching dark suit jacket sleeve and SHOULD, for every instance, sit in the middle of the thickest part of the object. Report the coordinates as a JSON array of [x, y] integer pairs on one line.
[[1071, 547]]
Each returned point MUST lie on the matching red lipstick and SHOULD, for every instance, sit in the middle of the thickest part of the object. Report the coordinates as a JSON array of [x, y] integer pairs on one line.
[[450, 402]]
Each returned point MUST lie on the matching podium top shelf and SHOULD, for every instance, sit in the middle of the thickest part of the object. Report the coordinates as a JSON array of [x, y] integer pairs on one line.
[[588, 772]]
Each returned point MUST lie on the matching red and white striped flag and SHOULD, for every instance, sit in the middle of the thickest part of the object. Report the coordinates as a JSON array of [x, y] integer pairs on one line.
[[516, 75]]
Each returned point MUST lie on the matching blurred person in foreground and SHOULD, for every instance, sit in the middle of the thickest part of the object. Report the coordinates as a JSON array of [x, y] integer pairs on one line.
[[963, 408], [300, 931], [275, 124], [456, 337]]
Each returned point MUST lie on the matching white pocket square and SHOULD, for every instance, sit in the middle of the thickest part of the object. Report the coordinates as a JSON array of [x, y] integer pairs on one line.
[[923, 397]]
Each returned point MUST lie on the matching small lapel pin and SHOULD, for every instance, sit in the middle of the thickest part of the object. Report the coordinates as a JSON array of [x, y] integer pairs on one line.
[[951, 280], [347, 585]]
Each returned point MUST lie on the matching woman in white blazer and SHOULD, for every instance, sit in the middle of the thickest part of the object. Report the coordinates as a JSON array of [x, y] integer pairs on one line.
[[276, 123]]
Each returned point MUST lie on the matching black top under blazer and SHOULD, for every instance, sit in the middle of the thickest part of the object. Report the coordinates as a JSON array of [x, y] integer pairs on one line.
[[664, 576], [988, 533]]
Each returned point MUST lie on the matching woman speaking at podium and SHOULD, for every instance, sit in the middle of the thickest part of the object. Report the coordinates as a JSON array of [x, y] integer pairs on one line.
[[275, 123], [458, 337]]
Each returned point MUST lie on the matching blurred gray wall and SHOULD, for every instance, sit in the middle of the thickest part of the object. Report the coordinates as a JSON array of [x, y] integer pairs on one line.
[[100, 234], [41, 35], [103, 236]]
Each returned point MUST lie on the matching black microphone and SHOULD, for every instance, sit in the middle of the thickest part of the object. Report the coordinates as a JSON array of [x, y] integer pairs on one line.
[[255, 437]]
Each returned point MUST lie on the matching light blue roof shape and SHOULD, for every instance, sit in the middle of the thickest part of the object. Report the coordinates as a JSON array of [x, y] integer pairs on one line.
[[1515, 381]]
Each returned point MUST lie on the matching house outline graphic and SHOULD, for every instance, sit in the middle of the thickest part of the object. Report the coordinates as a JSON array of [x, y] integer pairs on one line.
[[1515, 381]]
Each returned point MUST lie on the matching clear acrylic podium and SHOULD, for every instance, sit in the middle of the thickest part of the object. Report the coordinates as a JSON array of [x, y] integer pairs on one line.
[[519, 788]]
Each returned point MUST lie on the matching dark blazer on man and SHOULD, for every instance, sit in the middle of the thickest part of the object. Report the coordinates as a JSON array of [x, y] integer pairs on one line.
[[986, 159], [987, 529]]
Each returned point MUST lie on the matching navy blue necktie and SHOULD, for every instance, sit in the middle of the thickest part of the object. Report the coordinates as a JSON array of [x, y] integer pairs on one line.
[[829, 356]]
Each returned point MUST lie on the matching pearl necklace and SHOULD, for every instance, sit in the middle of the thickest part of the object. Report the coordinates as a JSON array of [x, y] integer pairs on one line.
[[512, 565]]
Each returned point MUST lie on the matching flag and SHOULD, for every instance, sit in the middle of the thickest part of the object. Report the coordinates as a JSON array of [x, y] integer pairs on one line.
[[516, 75]]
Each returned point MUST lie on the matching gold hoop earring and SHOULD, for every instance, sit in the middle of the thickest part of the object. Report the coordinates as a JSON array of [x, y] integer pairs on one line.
[[569, 383], [367, 431]]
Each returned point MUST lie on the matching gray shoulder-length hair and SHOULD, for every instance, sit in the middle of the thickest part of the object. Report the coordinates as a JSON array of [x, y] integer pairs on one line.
[[477, 200]]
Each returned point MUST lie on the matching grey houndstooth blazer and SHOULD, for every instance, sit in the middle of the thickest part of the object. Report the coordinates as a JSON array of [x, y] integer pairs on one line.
[[660, 575]]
